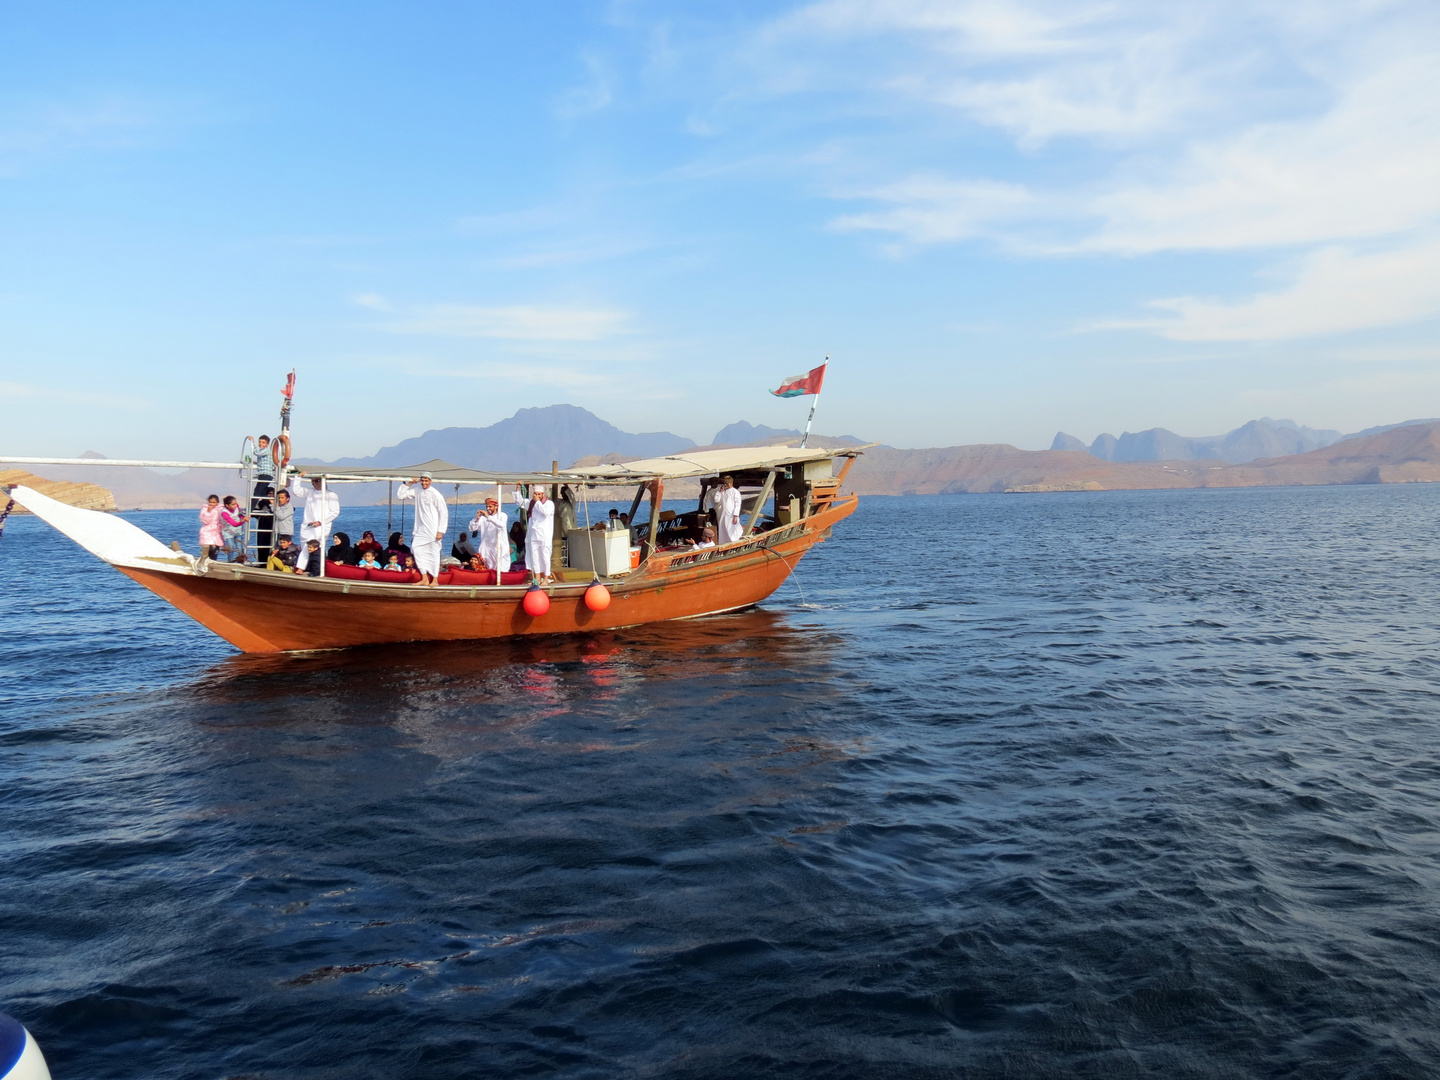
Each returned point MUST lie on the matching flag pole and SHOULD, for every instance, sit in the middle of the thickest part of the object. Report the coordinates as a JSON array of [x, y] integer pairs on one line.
[[806, 437]]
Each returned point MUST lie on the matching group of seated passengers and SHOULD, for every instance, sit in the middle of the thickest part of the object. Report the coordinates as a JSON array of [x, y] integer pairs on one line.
[[288, 557]]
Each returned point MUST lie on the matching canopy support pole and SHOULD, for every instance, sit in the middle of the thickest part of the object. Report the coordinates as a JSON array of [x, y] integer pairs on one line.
[[635, 504], [324, 540], [657, 498], [759, 509]]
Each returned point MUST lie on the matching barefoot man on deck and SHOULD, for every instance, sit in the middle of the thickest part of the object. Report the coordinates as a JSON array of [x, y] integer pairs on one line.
[[432, 518], [491, 525], [539, 532]]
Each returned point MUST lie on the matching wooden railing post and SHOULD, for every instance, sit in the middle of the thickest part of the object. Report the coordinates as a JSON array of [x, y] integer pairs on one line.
[[759, 508]]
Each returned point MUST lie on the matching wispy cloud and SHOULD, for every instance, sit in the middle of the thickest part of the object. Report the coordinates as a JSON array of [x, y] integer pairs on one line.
[[514, 323], [528, 374], [932, 209], [1336, 291], [546, 236], [593, 93], [67, 395], [28, 136], [510, 222], [1037, 70], [1367, 167], [1310, 130]]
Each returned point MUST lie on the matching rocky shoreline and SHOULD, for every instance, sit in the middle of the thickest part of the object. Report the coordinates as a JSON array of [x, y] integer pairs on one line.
[[84, 495]]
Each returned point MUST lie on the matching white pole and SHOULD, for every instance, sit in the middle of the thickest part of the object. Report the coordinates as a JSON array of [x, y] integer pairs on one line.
[[125, 462], [324, 540], [806, 437]]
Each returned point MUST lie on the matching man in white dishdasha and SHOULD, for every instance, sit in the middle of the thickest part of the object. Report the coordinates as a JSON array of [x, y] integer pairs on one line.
[[539, 532], [493, 540], [322, 507], [727, 510], [432, 518]]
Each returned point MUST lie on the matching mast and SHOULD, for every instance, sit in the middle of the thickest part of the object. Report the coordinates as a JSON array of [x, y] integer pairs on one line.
[[288, 395], [806, 437]]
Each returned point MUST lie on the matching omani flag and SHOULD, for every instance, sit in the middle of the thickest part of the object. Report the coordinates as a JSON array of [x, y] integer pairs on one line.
[[796, 385]]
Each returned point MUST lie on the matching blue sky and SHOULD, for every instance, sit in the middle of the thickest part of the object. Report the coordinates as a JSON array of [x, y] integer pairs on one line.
[[1001, 219]]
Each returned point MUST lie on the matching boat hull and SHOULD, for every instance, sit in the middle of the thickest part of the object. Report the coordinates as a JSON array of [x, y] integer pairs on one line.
[[260, 611]]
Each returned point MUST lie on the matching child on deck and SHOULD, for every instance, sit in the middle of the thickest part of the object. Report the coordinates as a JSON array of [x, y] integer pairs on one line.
[[232, 527], [393, 563], [210, 539], [284, 557], [313, 560], [369, 562]]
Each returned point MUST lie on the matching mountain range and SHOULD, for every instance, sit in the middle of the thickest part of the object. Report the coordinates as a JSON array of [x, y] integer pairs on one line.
[[1263, 438], [742, 433], [532, 438], [527, 441], [1401, 453]]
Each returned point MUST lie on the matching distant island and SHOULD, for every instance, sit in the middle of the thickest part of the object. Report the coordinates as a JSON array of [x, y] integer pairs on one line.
[[1408, 452], [1263, 438]]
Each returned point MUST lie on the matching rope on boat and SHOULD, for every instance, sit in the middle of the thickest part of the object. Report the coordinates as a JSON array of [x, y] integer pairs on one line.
[[589, 536], [792, 575]]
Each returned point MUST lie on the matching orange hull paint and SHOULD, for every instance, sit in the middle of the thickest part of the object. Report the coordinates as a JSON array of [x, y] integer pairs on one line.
[[260, 611]]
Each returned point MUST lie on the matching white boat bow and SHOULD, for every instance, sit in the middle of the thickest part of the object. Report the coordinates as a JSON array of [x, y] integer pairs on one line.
[[108, 536]]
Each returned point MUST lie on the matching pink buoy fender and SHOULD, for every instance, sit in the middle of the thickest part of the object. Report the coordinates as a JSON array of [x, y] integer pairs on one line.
[[536, 602], [597, 596]]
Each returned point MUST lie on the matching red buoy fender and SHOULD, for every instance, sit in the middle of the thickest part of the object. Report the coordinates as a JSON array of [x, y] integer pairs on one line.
[[597, 597], [536, 602]]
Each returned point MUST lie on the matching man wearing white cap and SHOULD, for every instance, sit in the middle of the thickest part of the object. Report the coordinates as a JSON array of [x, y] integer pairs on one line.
[[539, 532], [322, 507], [493, 540], [432, 518]]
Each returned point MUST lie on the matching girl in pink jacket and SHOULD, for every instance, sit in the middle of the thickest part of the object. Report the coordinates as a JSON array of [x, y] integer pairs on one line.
[[232, 528], [210, 540]]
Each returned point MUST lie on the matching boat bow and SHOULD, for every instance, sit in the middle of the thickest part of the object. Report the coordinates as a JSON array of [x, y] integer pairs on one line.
[[111, 538]]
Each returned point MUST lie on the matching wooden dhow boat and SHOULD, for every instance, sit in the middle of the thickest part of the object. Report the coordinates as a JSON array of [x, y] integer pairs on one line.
[[793, 504]]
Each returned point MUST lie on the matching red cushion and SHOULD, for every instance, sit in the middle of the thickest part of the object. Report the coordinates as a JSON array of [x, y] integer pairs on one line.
[[514, 577], [472, 577], [392, 577], [343, 572]]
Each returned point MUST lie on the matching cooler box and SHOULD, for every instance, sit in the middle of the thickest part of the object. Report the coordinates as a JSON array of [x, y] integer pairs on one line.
[[611, 550]]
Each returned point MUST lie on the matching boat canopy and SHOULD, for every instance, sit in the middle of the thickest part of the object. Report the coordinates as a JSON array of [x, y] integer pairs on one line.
[[671, 467], [442, 472], [711, 462]]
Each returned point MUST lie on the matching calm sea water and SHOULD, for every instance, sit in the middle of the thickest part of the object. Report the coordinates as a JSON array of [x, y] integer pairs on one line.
[[1130, 784]]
